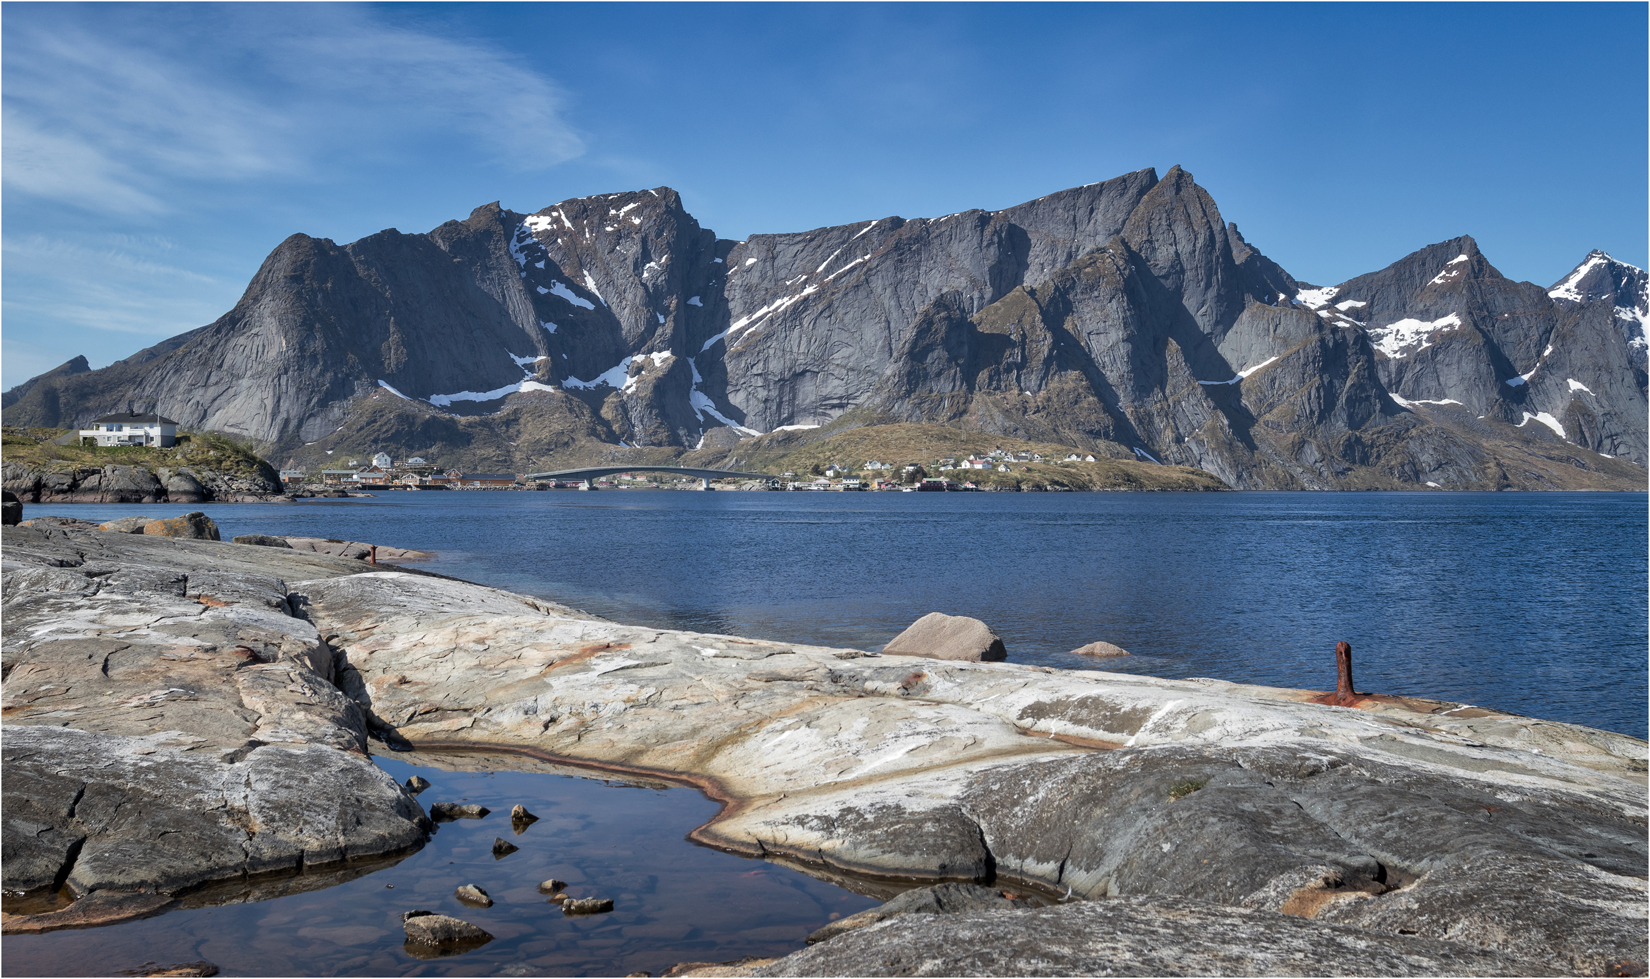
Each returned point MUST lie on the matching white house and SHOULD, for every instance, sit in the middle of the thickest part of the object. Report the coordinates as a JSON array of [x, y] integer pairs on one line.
[[129, 429], [382, 460], [976, 464]]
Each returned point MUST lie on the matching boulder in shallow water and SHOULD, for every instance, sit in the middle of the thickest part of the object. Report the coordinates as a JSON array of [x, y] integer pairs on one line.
[[417, 784], [443, 812], [503, 848], [474, 895], [956, 637], [194, 525], [428, 928], [587, 905], [1100, 650]]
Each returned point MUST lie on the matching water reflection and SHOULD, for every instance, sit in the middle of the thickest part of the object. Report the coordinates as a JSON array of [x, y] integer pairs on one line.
[[625, 840]]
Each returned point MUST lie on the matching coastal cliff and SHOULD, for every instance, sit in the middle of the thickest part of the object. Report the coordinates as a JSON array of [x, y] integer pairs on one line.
[[206, 468], [161, 696]]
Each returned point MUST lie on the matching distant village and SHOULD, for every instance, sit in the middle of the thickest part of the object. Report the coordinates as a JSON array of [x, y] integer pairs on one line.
[[382, 472]]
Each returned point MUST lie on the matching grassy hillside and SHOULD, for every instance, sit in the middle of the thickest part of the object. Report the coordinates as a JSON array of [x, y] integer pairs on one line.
[[814, 449], [32, 447]]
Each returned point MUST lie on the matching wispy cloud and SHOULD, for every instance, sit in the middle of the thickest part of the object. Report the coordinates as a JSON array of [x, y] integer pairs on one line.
[[108, 109], [114, 284]]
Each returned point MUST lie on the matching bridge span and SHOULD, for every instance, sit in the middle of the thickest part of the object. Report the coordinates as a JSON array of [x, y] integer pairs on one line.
[[590, 473]]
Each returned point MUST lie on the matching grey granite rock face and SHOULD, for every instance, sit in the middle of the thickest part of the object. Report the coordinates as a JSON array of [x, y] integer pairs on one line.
[[1135, 937], [1125, 315], [170, 723]]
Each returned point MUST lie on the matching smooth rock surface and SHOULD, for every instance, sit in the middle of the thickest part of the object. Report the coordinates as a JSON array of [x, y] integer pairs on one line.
[[1235, 813], [263, 540], [939, 899], [954, 637], [1136, 937]]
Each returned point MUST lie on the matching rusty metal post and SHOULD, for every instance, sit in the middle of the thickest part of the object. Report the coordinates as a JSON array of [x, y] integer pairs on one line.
[[1344, 694], [372, 558]]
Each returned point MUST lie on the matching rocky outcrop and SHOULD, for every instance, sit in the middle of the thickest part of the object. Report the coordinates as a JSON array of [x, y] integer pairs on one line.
[[138, 484], [1125, 316], [170, 723], [194, 526], [354, 549], [1100, 650], [1189, 825]]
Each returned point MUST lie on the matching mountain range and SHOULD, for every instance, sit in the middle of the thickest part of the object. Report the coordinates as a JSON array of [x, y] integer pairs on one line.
[[1125, 317]]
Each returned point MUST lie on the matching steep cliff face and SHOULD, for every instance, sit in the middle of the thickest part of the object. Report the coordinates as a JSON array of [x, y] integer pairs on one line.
[[1449, 329], [1125, 315]]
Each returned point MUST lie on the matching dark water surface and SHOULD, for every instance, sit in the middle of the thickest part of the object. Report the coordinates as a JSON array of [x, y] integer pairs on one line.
[[1534, 603], [673, 901]]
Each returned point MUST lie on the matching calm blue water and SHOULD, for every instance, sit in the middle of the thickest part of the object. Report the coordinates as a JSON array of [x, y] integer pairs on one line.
[[1532, 603]]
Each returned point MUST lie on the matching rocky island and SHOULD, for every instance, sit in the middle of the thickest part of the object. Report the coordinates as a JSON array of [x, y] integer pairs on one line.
[[183, 716]]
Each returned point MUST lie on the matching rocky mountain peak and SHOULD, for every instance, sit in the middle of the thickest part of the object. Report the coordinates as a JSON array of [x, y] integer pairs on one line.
[[1126, 315]]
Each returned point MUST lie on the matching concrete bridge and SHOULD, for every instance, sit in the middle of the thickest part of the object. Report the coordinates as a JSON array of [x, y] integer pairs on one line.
[[589, 474]]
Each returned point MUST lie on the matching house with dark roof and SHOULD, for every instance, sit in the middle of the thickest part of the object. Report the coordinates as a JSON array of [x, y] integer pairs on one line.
[[129, 429]]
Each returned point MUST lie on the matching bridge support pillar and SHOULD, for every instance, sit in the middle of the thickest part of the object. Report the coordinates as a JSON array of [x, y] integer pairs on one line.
[[584, 484], [704, 484]]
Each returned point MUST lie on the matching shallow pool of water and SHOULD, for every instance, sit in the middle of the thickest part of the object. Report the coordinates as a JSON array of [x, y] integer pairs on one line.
[[674, 901]]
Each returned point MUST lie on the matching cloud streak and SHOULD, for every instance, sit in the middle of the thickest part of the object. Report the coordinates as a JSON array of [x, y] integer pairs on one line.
[[132, 114]]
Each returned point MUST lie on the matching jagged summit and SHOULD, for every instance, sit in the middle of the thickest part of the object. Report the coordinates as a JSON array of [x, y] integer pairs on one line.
[[1127, 315]]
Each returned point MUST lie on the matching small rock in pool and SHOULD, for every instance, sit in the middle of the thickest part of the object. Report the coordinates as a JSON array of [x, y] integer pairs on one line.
[[417, 784], [472, 894], [587, 905], [502, 848], [520, 819], [443, 812], [428, 928], [552, 886]]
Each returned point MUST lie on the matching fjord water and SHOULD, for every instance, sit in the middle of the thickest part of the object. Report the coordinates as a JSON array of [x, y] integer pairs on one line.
[[1534, 603]]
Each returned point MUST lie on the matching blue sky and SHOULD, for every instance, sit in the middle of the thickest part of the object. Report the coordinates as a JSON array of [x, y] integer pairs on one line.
[[154, 154]]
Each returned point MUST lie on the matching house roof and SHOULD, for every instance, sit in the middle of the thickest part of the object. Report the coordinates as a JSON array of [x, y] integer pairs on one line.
[[127, 416]]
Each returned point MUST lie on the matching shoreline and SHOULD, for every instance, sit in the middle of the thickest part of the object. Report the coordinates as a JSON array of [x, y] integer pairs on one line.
[[892, 766]]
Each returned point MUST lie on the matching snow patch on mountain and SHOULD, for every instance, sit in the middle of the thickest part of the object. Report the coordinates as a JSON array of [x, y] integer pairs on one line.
[[1316, 298], [560, 289], [1240, 374], [613, 377], [590, 284], [1399, 340], [1545, 419], [1567, 290], [1448, 273]]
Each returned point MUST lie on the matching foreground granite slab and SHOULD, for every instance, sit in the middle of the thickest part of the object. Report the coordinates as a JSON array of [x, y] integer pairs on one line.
[[1449, 838]]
